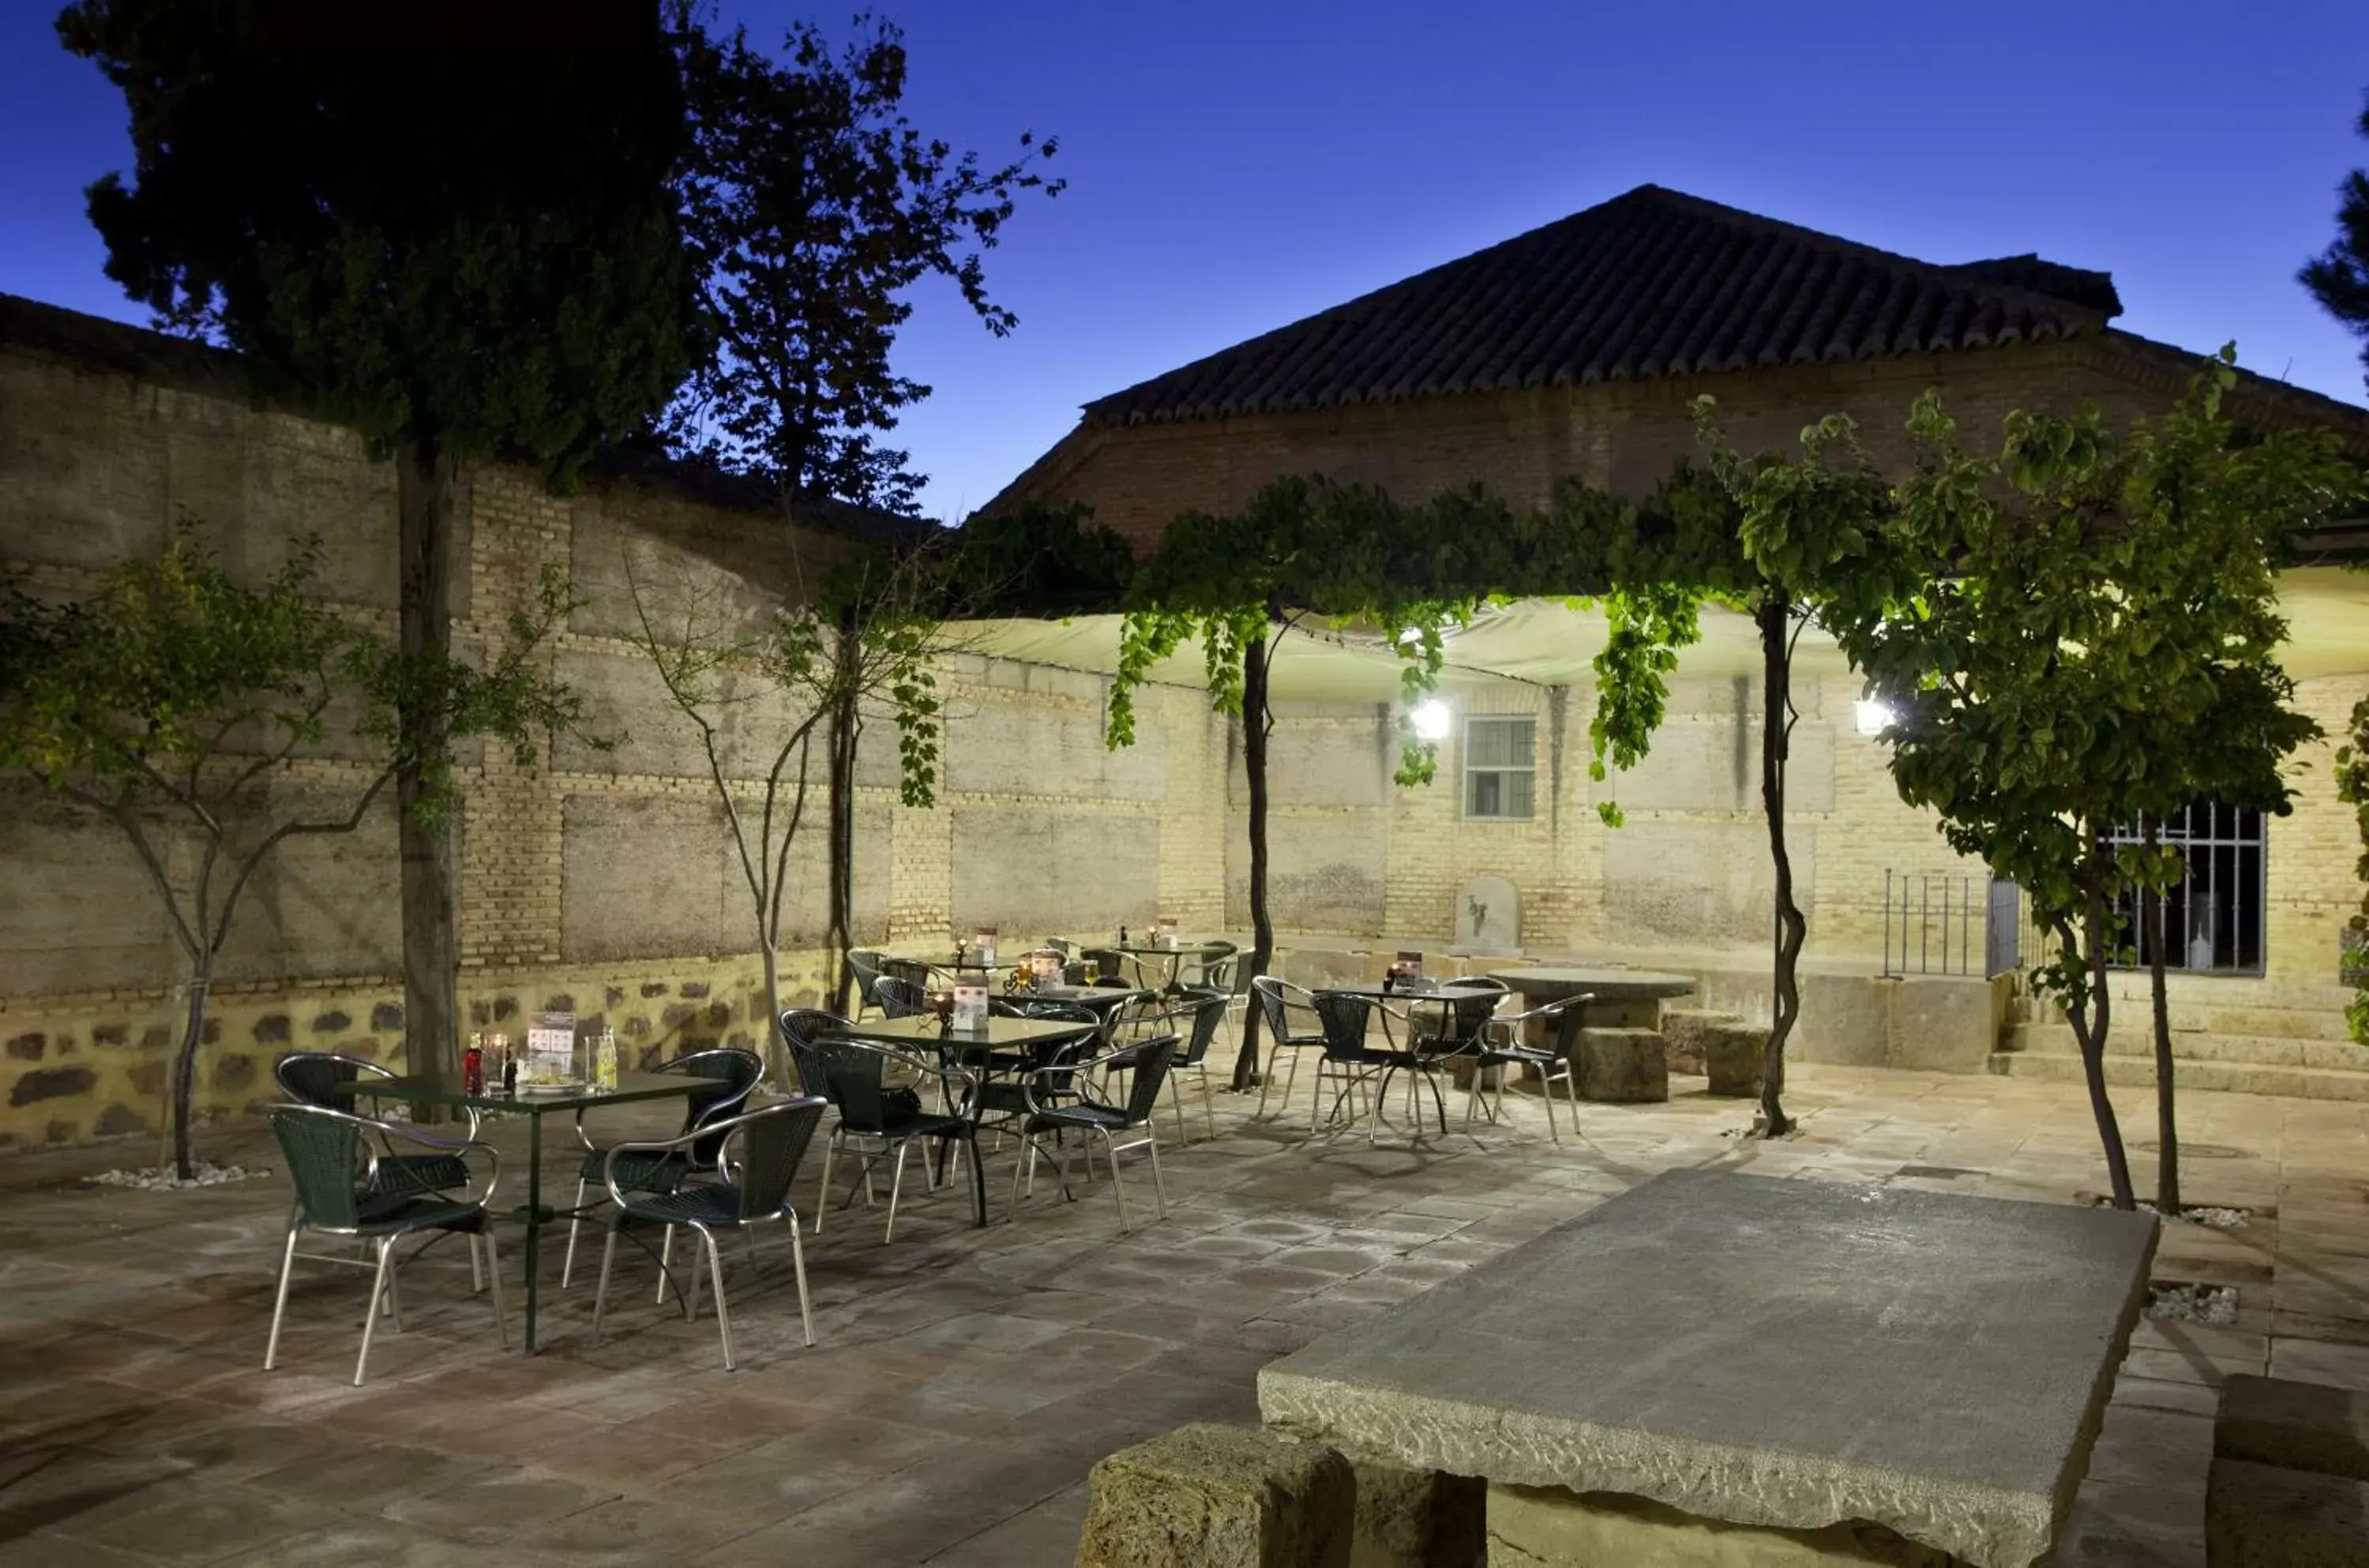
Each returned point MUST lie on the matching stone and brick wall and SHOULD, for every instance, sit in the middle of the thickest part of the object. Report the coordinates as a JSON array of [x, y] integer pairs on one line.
[[602, 879]]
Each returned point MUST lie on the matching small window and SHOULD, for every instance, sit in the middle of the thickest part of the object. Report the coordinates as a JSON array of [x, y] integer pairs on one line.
[[2214, 915], [1500, 767]]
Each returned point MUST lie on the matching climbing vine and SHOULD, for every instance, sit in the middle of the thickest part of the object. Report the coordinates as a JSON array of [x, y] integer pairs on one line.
[[2352, 788]]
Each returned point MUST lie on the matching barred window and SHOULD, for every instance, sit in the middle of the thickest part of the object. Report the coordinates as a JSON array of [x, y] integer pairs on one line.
[[2213, 917], [1500, 767]]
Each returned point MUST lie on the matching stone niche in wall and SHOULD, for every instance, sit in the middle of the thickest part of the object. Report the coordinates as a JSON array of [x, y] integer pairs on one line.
[[1029, 870], [654, 877], [1699, 884]]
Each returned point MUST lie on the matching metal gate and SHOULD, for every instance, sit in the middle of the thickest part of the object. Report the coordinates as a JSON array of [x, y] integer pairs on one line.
[[1941, 923]]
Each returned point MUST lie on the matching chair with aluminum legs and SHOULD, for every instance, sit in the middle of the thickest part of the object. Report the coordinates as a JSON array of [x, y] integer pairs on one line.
[[332, 1157], [1063, 1099], [1565, 1018], [759, 1152], [1288, 1010]]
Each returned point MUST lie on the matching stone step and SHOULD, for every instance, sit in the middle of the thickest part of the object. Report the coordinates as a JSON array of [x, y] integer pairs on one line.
[[2135, 1038], [2236, 1078], [2300, 1009]]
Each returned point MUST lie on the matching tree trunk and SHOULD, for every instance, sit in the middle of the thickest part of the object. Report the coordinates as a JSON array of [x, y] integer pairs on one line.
[[1791, 929], [846, 723], [426, 473], [1254, 737], [2090, 1013], [772, 1029], [2167, 1126], [185, 1078]]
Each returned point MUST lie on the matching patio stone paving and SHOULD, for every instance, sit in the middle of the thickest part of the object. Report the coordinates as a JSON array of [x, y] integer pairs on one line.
[[964, 1381]]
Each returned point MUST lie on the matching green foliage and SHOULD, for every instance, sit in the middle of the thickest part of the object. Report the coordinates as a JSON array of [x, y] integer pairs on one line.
[[468, 239], [2352, 789], [813, 207], [2339, 277], [179, 703], [1034, 560], [2071, 632]]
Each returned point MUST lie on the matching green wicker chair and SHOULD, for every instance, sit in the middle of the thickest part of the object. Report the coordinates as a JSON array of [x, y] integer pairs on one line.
[[1198, 1014], [760, 1152], [1106, 1123], [737, 1074], [330, 1157]]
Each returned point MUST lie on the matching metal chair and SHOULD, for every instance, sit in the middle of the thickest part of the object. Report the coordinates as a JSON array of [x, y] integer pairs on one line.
[[871, 1111], [900, 998], [312, 1077], [1569, 1015], [865, 964], [1463, 1012], [332, 1160], [1105, 1122], [1106, 964], [1200, 1012], [760, 1152], [1347, 1056], [736, 1072], [1276, 999]]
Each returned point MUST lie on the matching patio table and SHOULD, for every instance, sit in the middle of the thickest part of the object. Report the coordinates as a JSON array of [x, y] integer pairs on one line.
[[1173, 955], [445, 1089], [970, 1047]]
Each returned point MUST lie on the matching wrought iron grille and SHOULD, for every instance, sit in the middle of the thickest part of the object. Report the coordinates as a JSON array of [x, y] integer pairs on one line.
[[2214, 916]]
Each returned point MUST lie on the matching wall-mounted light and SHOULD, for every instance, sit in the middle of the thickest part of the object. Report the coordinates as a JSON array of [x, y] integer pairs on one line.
[[1870, 717], [1431, 720]]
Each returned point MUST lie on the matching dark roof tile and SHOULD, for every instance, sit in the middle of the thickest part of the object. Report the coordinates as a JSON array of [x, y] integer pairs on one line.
[[1652, 283]]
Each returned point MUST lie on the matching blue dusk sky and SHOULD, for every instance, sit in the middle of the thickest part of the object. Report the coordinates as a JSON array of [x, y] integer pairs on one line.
[[1233, 166]]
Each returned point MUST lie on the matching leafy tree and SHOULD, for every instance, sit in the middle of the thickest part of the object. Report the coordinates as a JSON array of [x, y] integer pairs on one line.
[[2075, 634], [2338, 276], [456, 235], [2339, 279], [813, 206], [1240, 582], [182, 707], [2352, 789], [808, 667]]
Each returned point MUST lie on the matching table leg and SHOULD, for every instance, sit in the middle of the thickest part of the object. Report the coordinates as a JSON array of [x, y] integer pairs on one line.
[[533, 1222]]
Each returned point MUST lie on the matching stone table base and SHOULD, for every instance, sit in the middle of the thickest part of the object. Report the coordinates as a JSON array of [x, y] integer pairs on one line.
[[1545, 1527]]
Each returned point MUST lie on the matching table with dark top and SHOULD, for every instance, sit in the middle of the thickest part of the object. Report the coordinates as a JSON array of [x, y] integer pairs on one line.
[[1014, 1037], [445, 1089]]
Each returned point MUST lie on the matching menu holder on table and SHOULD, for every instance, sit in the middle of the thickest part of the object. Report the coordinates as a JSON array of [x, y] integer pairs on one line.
[[549, 1060], [970, 1007]]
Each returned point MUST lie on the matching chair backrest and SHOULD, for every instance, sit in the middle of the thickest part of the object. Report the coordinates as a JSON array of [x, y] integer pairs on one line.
[[900, 997], [766, 1147], [1208, 1011], [312, 1077], [1206, 962], [323, 1148], [1058, 944], [1570, 1016], [740, 1071], [801, 1027], [1345, 1018], [850, 1080], [1465, 1026], [1152, 1059], [1275, 1000], [1107, 963], [865, 963], [911, 970]]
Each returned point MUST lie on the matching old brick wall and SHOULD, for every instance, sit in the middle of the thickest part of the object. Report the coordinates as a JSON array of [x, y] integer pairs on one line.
[[600, 879]]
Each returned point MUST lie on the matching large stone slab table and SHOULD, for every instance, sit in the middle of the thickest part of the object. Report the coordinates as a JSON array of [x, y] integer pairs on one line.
[[1622, 1057], [1787, 1354]]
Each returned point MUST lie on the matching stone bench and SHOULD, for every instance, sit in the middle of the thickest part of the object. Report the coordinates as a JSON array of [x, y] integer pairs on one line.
[[1718, 1046], [2290, 1480], [1622, 1065], [1208, 1496]]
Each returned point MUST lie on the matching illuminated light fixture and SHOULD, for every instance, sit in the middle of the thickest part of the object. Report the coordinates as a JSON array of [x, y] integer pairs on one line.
[[1431, 720], [1870, 717]]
